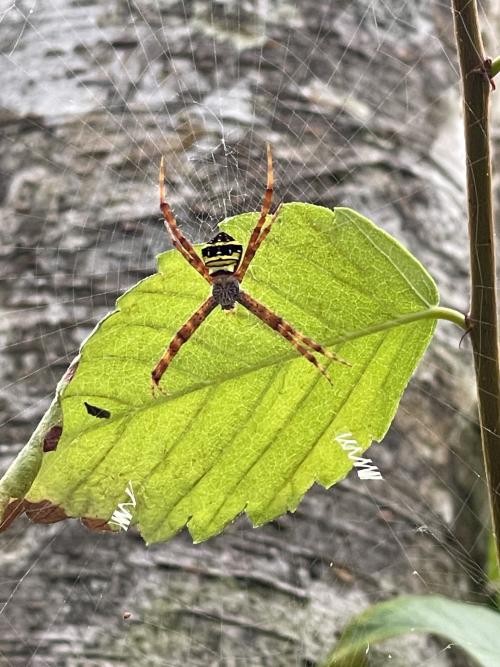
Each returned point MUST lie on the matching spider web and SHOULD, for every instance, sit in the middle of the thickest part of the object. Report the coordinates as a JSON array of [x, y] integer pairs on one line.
[[92, 93]]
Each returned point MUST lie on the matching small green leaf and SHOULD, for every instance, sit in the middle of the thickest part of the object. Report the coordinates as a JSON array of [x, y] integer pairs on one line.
[[494, 67], [473, 628], [248, 424], [493, 570]]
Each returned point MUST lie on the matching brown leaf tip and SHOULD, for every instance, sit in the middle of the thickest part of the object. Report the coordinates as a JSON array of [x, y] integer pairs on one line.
[[45, 511], [97, 525], [42, 512]]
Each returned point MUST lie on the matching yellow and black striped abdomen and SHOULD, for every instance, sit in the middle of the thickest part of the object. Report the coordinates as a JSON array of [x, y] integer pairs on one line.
[[222, 253]]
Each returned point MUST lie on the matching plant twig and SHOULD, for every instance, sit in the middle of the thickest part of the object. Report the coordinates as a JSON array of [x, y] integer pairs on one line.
[[483, 309]]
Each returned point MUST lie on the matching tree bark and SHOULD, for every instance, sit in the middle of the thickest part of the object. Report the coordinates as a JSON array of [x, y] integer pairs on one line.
[[361, 103]]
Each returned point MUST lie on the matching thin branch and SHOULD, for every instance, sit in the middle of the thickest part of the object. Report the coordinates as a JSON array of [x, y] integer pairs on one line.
[[483, 309]]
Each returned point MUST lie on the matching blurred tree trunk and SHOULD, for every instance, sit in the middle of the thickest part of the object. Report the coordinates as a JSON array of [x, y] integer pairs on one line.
[[361, 103]]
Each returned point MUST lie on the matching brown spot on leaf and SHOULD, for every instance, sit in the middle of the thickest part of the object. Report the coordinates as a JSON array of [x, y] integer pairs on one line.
[[44, 512], [97, 525], [127, 615], [100, 413], [70, 372], [52, 438]]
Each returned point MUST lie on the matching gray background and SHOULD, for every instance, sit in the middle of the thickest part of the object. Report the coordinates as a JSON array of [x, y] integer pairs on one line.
[[361, 103]]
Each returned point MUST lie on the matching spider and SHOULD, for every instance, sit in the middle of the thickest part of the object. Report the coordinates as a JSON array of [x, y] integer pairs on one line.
[[222, 266]]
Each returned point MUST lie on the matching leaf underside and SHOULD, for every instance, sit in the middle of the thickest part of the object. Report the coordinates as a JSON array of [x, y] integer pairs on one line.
[[248, 424]]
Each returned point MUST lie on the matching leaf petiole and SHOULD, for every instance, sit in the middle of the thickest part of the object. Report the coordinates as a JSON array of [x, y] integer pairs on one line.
[[434, 313]]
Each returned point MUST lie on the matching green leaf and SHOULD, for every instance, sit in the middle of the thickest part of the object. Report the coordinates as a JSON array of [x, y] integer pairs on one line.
[[494, 67], [248, 424], [493, 570], [473, 628]]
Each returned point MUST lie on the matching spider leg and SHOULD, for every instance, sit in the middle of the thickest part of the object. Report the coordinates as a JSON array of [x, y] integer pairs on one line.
[[181, 337], [298, 340], [309, 342], [179, 241], [267, 229], [259, 233]]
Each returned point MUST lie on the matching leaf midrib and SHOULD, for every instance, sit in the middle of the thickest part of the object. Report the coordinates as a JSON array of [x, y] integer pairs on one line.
[[284, 357]]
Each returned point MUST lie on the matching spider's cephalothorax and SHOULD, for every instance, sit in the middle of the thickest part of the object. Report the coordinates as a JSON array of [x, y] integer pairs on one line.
[[222, 254], [223, 267]]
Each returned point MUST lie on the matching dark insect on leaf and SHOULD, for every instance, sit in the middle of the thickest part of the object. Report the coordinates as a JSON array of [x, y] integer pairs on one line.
[[100, 413]]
